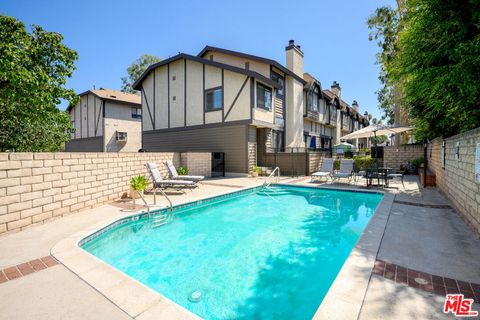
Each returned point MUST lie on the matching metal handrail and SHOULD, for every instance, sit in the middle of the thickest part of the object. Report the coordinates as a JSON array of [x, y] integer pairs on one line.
[[267, 183], [145, 202], [168, 199]]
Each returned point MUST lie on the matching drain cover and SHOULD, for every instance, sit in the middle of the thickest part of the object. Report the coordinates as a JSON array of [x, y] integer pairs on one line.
[[195, 296], [421, 281]]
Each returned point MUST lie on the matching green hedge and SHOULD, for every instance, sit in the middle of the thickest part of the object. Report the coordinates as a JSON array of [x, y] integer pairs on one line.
[[360, 163]]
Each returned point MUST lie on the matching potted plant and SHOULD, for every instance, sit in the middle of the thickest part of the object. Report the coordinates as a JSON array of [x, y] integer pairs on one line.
[[182, 171], [256, 171], [138, 184], [418, 163]]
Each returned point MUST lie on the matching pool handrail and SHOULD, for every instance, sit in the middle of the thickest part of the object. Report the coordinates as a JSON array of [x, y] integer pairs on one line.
[[267, 183]]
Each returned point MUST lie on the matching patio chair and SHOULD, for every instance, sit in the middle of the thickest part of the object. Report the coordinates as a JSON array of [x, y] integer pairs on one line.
[[396, 174], [325, 171], [346, 169], [175, 176], [159, 182]]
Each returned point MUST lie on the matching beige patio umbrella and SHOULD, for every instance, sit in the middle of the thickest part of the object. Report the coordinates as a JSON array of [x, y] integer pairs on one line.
[[375, 130]]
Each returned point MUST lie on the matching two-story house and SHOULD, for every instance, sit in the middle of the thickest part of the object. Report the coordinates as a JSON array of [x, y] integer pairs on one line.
[[106, 121], [240, 104]]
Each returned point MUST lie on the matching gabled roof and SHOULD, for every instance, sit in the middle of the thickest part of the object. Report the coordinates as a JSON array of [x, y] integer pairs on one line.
[[256, 75], [329, 94], [112, 95], [310, 81], [251, 57]]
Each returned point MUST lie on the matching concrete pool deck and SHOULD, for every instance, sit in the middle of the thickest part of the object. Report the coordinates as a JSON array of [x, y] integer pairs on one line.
[[411, 240]]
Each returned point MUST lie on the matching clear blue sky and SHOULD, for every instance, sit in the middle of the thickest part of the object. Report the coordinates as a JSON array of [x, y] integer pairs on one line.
[[109, 35]]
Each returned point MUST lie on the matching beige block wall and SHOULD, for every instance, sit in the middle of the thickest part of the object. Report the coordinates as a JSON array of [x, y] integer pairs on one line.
[[37, 187], [394, 156], [457, 179], [198, 163]]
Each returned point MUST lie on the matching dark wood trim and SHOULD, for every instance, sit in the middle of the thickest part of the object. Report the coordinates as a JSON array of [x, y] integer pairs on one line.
[[219, 65], [81, 118], [252, 57], [203, 83], [154, 102], [252, 96], [104, 108], [148, 107], [185, 93], [94, 115], [75, 120], [168, 95], [223, 96], [236, 98], [98, 116], [200, 126], [88, 127]]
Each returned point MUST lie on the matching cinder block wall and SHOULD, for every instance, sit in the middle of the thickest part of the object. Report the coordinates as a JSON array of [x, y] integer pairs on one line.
[[198, 163], [457, 178], [36, 187], [395, 156]]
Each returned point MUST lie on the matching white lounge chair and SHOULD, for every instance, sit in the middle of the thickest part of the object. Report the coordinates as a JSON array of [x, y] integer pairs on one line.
[[325, 171], [175, 176], [346, 169], [159, 182]]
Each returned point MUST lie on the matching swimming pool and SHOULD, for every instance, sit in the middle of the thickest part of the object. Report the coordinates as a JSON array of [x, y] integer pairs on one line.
[[254, 254]]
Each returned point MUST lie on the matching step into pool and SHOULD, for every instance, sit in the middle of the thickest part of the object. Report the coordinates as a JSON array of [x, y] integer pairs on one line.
[[263, 253]]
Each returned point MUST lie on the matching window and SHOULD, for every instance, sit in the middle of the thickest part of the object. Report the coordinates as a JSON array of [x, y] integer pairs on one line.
[[278, 140], [264, 97], [281, 83], [213, 99], [136, 113], [314, 100]]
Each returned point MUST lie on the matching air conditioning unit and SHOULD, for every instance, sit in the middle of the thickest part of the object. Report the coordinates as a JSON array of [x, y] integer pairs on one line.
[[121, 136]]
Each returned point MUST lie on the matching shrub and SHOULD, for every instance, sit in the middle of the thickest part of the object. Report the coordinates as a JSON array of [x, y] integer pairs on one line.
[[417, 162], [138, 183], [183, 171], [363, 163]]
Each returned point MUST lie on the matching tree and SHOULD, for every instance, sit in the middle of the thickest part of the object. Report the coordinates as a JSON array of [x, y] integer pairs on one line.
[[136, 69], [436, 63], [384, 25], [34, 67]]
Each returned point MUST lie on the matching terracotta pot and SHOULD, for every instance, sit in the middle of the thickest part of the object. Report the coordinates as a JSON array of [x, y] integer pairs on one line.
[[133, 194]]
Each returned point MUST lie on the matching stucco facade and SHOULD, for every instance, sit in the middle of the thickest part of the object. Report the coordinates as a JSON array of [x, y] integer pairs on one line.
[[187, 100], [102, 119]]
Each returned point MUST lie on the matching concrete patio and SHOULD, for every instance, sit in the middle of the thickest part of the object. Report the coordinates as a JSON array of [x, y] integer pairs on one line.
[[422, 233]]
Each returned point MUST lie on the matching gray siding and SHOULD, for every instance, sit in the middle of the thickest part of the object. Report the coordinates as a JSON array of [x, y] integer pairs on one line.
[[229, 139], [94, 144]]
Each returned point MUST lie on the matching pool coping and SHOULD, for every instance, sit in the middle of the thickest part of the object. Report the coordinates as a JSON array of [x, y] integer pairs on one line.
[[343, 300]]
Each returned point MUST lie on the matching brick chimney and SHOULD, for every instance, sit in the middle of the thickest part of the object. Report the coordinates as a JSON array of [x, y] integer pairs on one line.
[[294, 58], [335, 88], [294, 95], [355, 105]]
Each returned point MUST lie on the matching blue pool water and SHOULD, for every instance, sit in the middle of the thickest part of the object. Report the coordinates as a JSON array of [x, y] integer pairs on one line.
[[253, 255]]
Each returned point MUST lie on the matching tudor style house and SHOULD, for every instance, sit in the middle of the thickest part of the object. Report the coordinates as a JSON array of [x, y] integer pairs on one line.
[[106, 121], [227, 101]]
